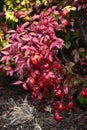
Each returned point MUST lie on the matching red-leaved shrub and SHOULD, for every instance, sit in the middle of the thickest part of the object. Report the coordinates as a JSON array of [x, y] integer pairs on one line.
[[31, 55]]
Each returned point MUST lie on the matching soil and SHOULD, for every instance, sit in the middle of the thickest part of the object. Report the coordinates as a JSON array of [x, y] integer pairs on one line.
[[73, 120]]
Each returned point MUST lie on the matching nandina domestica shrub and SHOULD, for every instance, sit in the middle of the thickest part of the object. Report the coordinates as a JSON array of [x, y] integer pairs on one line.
[[31, 55]]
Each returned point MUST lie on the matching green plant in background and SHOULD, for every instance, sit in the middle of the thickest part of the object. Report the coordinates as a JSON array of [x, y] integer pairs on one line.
[[81, 99], [14, 9], [3, 35], [3, 40]]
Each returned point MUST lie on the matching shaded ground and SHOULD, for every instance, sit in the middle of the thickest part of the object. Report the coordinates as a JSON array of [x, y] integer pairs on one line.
[[74, 120]]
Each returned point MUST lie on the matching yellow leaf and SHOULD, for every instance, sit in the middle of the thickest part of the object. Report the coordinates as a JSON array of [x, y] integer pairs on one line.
[[69, 8]]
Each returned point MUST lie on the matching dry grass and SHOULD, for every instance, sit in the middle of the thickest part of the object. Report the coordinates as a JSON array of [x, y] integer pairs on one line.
[[20, 113]]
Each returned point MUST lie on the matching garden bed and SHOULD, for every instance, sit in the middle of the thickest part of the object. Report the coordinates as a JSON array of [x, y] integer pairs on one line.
[[73, 120]]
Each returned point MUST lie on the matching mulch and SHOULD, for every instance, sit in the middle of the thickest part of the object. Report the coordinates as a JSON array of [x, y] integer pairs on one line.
[[73, 120]]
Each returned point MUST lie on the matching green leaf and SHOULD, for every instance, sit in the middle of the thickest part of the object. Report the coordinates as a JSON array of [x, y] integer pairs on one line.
[[53, 15], [67, 38], [71, 64], [68, 45], [18, 1], [76, 82], [38, 2], [81, 99], [8, 3], [84, 85]]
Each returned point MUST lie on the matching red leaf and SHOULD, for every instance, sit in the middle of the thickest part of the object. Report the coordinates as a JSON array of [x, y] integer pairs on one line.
[[12, 31], [27, 52], [56, 12], [76, 57], [28, 63], [51, 29], [35, 40], [57, 43], [7, 68], [35, 17], [3, 59], [51, 58], [24, 14], [25, 87], [47, 53], [16, 58], [25, 47], [18, 82], [26, 38], [19, 29], [25, 24], [5, 52]]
